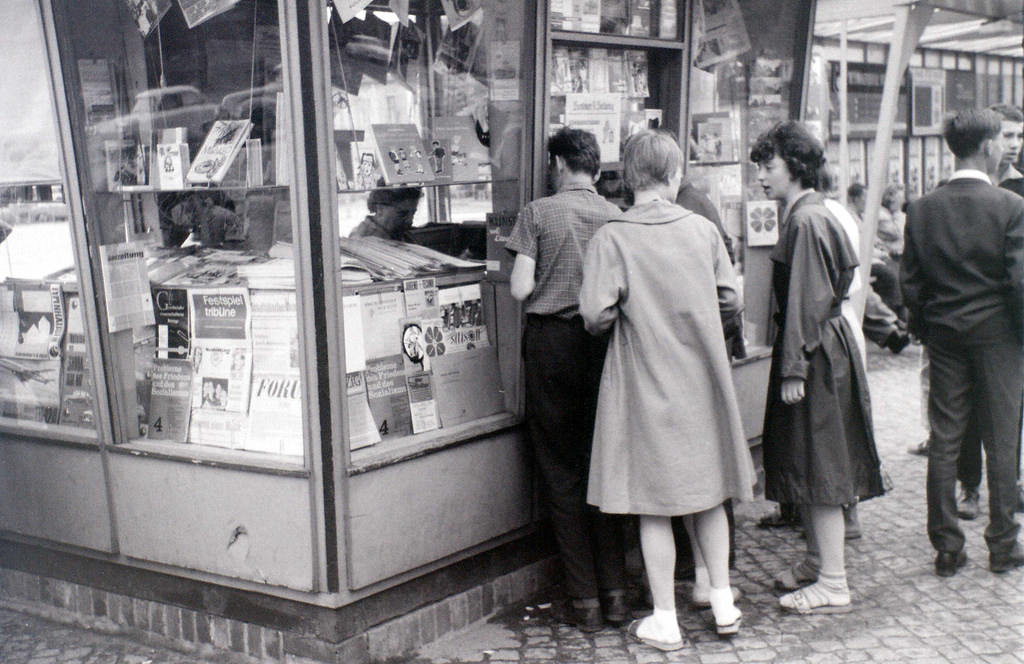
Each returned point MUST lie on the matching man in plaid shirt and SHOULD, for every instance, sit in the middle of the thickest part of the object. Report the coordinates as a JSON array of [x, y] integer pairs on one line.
[[563, 371]]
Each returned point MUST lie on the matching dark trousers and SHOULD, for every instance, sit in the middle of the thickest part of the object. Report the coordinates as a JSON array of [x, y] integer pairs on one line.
[[879, 320], [983, 380], [968, 466], [563, 372]]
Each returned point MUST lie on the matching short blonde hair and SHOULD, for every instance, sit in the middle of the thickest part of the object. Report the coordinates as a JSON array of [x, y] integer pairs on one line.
[[650, 158]]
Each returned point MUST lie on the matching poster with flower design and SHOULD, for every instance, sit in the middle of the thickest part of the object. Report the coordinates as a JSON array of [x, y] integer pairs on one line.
[[762, 223]]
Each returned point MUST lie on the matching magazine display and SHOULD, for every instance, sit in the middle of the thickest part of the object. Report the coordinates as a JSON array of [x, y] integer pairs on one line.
[[469, 158], [76, 398], [218, 151], [401, 154], [32, 321]]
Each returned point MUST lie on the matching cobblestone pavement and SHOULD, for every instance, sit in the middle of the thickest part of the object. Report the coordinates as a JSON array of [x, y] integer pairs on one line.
[[903, 612], [26, 639]]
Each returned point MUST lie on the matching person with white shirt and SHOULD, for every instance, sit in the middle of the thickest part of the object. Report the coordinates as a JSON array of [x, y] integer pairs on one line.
[[963, 284]]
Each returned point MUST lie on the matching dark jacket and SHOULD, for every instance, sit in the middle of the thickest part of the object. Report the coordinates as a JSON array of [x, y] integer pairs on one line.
[[962, 272]]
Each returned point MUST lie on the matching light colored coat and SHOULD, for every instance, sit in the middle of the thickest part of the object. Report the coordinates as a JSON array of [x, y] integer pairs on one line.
[[668, 437]]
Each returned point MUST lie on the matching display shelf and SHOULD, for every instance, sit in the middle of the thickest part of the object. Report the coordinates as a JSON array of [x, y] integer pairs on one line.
[[622, 41], [205, 455], [395, 450], [57, 434], [229, 187], [347, 192]]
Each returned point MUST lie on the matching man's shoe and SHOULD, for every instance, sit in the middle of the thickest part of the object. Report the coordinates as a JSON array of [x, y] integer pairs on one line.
[[897, 341], [921, 449], [584, 618], [1004, 562], [615, 607], [967, 504], [947, 562]]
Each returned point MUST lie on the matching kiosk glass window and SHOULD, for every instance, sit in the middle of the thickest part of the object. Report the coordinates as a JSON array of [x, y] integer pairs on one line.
[[186, 180], [428, 128], [45, 373]]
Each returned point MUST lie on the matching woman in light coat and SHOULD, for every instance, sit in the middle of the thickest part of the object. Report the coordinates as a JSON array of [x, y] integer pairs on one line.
[[668, 438]]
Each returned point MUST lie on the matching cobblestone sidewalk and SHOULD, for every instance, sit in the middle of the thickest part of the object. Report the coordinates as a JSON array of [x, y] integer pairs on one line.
[[903, 612]]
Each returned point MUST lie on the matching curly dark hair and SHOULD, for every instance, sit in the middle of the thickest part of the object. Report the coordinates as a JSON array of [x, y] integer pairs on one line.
[[578, 148], [794, 144]]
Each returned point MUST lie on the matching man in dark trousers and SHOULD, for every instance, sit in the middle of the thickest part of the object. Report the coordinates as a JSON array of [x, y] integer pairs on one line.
[[963, 282], [563, 370], [1007, 177]]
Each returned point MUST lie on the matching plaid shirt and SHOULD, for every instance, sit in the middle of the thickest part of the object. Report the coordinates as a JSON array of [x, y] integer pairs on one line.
[[555, 231]]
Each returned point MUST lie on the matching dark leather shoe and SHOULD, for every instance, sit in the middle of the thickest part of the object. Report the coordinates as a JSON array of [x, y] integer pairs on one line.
[[967, 507], [615, 607], [1004, 562], [583, 618], [947, 562], [921, 449], [897, 341]]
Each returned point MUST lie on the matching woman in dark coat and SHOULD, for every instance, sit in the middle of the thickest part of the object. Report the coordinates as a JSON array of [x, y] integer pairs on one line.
[[819, 448]]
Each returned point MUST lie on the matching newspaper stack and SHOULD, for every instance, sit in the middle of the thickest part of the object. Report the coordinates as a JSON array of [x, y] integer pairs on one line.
[[273, 274], [388, 259]]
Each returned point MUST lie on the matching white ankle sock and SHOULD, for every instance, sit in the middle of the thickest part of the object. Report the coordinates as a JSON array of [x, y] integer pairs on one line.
[[722, 606], [662, 625], [835, 584]]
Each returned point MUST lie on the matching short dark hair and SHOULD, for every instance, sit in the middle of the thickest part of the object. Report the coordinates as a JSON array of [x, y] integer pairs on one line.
[[968, 129], [392, 195], [578, 148], [794, 144], [1009, 113], [855, 190]]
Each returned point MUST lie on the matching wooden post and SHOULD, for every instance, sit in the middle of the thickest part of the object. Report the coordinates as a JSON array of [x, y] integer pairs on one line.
[[910, 22]]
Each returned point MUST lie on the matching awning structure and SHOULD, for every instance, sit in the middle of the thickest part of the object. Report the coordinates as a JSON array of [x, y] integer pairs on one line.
[[28, 131], [992, 27]]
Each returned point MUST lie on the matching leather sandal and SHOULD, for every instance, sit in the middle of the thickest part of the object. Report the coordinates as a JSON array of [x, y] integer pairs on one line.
[[806, 601]]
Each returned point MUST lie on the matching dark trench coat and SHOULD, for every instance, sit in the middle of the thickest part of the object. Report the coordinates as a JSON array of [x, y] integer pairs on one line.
[[820, 450]]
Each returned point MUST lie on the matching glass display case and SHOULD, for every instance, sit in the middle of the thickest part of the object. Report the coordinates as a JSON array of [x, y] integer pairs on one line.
[[186, 177], [427, 113], [614, 68], [45, 371]]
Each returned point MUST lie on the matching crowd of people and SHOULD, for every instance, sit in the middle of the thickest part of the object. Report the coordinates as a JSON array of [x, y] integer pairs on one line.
[[631, 321]]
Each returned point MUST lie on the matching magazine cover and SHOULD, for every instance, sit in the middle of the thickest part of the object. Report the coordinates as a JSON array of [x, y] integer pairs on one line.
[[76, 396], [715, 137], [640, 18], [197, 11], [579, 70], [460, 12], [170, 401], [601, 116], [599, 75], [401, 154], [636, 68], [561, 79], [387, 395], [470, 159], [147, 13], [586, 15], [218, 151], [32, 320], [614, 16]]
